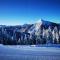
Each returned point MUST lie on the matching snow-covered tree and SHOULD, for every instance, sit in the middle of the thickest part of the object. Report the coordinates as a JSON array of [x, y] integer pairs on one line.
[[50, 35], [55, 35], [44, 36], [59, 36]]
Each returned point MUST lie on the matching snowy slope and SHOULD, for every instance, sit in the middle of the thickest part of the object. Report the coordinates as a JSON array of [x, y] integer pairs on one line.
[[29, 53]]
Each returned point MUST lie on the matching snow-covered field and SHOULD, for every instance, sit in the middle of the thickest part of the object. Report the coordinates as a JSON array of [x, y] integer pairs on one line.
[[19, 52]]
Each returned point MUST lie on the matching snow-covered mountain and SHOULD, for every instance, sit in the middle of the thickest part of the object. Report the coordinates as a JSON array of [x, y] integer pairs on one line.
[[40, 24], [39, 33]]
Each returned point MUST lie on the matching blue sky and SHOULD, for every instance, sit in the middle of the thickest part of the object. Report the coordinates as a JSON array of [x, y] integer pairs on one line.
[[17, 12]]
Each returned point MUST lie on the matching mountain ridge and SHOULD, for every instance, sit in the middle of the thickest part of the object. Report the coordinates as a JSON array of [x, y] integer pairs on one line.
[[42, 32]]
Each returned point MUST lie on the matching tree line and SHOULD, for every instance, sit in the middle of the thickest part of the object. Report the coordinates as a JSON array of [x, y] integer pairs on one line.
[[41, 36]]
